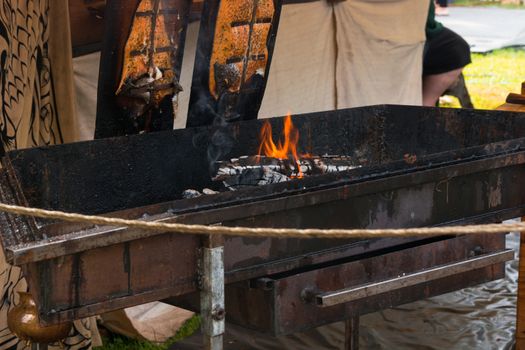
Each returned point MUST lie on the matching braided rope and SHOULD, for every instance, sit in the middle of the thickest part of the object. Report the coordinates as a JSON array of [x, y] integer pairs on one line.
[[260, 231]]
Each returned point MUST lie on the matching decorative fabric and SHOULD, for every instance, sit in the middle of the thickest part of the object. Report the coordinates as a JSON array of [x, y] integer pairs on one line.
[[29, 100], [36, 109]]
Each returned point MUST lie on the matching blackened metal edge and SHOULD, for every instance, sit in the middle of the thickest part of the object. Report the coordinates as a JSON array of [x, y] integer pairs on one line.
[[185, 210], [49, 157]]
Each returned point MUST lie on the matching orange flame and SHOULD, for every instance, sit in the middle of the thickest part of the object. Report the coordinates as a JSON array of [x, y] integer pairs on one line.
[[283, 149]]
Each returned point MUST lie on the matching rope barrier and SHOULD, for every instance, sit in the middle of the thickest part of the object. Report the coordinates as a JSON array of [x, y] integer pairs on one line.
[[260, 231]]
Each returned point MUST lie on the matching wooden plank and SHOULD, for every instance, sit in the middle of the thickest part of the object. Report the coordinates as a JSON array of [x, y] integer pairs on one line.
[[86, 14], [232, 63], [512, 107], [141, 64], [516, 99], [515, 102], [90, 14]]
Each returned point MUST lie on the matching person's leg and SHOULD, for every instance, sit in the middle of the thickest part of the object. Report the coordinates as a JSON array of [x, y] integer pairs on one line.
[[445, 56], [442, 8], [435, 84]]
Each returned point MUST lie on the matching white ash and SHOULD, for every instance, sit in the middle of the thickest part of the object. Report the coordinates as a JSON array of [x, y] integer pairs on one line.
[[288, 167], [250, 171], [259, 176], [191, 193]]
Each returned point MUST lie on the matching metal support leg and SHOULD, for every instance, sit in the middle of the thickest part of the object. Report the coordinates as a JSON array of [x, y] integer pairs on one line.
[[352, 333], [37, 346], [212, 294]]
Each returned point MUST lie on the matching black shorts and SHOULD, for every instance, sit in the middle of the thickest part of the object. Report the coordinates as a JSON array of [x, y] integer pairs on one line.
[[445, 52]]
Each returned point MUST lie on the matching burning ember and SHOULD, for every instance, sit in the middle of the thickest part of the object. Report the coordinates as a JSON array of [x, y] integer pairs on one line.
[[285, 149], [275, 162]]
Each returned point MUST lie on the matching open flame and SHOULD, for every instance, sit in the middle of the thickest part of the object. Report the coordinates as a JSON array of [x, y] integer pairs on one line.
[[285, 148]]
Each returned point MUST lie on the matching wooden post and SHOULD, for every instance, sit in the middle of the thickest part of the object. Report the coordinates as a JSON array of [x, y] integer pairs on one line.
[[520, 303], [141, 63], [232, 64], [515, 102]]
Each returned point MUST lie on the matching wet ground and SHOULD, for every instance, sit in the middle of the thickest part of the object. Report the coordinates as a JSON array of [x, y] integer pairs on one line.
[[483, 317]]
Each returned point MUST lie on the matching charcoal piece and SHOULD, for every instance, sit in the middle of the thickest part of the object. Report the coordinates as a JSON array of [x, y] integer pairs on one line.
[[260, 176]]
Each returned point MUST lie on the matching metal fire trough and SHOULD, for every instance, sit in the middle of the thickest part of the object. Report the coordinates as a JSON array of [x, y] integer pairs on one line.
[[420, 167]]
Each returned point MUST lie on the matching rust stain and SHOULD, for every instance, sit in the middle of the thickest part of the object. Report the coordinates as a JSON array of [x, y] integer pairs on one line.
[[410, 158], [495, 194]]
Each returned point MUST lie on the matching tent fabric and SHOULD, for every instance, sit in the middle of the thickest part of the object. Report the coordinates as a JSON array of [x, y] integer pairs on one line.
[[85, 70], [37, 88], [155, 321], [302, 71], [346, 54]]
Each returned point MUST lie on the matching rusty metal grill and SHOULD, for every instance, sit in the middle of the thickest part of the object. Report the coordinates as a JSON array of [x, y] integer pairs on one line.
[[420, 166]]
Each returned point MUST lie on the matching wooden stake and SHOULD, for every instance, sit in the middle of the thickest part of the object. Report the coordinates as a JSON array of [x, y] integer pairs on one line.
[[515, 102], [520, 303]]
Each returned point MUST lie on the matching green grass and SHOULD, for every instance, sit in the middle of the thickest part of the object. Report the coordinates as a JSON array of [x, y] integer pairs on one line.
[[485, 3], [492, 76], [117, 342]]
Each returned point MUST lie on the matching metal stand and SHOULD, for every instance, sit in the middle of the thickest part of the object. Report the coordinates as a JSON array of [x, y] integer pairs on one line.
[[212, 293], [352, 333], [37, 346]]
